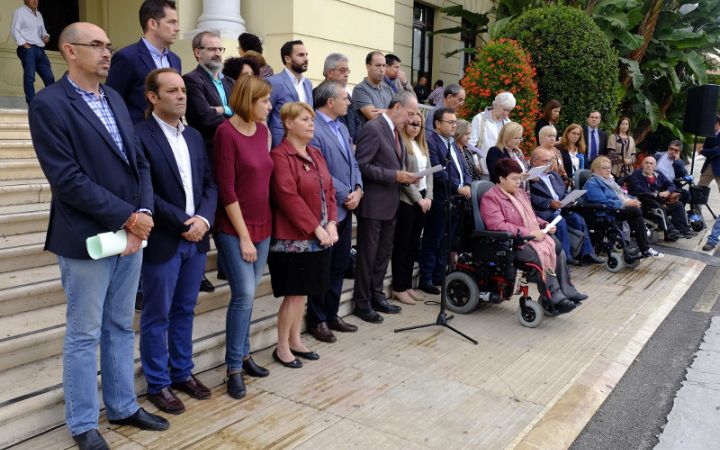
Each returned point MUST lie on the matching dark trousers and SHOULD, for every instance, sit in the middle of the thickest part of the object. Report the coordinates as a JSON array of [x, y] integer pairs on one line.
[[374, 239], [576, 222], [324, 308], [406, 245], [432, 258], [171, 292], [33, 60], [560, 284], [633, 216]]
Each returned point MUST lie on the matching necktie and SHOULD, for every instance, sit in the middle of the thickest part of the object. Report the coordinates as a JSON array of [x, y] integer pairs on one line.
[[398, 150], [593, 144]]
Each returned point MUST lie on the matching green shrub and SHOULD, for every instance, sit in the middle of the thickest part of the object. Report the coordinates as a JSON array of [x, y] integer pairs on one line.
[[574, 61], [500, 66]]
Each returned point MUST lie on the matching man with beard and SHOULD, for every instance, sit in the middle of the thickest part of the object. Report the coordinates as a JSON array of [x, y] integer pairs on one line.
[[289, 86]]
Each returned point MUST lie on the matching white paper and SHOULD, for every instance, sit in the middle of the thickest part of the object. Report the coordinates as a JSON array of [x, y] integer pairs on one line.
[[429, 171], [554, 222], [535, 172], [572, 196], [107, 244]]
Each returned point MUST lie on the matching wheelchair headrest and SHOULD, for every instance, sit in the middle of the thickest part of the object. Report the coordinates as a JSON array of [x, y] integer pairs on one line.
[[479, 188], [581, 177]]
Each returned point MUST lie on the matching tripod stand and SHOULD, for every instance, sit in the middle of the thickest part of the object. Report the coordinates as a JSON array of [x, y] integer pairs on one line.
[[442, 318]]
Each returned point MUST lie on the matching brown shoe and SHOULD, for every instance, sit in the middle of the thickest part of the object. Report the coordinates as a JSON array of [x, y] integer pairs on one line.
[[194, 388], [167, 401], [323, 333], [342, 326]]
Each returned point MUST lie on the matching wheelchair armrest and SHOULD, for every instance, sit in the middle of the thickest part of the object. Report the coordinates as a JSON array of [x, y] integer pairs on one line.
[[499, 235], [588, 207], [646, 197]]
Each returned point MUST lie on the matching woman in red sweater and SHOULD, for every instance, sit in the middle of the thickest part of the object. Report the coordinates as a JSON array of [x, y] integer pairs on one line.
[[304, 228], [243, 221]]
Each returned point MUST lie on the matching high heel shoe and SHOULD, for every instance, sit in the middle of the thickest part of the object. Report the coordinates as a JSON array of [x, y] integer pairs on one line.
[[403, 297]]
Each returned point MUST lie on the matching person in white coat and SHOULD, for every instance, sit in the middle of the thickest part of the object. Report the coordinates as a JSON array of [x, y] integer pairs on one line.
[[486, 126]]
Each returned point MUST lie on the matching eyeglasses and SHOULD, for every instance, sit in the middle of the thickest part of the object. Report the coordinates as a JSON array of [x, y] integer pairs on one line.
[[342, 70], [213, 49], [605, 167], [414, 125], [519, 138], [516, 178], [97, 46], [450, 122]]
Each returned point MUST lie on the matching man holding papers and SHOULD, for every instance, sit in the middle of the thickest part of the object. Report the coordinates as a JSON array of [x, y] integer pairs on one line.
[[547, 193]]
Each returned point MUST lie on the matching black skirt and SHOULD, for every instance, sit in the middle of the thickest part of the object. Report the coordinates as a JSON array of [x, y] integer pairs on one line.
[[306, 273]]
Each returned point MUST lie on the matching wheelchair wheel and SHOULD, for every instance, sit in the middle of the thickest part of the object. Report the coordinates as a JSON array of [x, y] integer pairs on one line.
[[531, 314], [615, 262], [461, 293], [697, 226]]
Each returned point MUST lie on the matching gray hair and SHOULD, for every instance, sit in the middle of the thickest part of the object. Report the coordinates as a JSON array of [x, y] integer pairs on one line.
[[462, 127], [332, 61], [197, 40], [324, 92], [403, 98], [676, 143], [504, 100], [452, 89]]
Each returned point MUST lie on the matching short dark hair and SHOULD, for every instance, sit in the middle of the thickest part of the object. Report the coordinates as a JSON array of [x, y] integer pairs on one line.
[[249, 41], [440, 112], [153, 9], [153, 85], [549, 106], [594, 111], [391, 59], [287, 49], [324, 92], [233, 66], [507, 166], [369, 57], [197, 41]]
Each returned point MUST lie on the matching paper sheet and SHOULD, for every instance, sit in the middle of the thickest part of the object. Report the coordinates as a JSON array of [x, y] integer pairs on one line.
[[552, 224], [107, 244], [572, 196], [429, 171], [536, 172]]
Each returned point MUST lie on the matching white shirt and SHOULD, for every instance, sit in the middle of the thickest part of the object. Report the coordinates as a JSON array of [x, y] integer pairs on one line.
[[298, 85], [546, 179], [665, 166], [422, 162], [484, 131], [28, 27], [453, 154], [182, 158]]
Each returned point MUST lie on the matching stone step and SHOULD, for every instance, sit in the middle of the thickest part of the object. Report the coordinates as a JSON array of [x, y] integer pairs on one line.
[[15, 148], [23, 192], [24, 251], [21, 219], [13, 115], [10, 131], [18, 169], [32, 404]]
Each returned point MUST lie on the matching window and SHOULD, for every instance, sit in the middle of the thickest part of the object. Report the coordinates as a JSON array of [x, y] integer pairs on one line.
[[422, 42], [467, 35]]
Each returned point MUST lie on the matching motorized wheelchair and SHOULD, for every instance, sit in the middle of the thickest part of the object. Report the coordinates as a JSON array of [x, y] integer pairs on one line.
[[607, 237], [486, 270]]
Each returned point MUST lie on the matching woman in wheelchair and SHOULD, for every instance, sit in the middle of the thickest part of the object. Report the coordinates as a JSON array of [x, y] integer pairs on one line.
[[506, 207], [602, 189]]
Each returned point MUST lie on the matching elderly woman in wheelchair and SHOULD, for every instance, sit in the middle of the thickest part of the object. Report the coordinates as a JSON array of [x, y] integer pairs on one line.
[[508, 238]]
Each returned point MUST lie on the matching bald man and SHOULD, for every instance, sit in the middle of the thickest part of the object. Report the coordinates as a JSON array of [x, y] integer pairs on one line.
[[81, 132]]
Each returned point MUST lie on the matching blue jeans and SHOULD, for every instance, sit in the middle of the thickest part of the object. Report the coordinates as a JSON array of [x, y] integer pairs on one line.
[[714, 236], [100, 308], [243, 278], [34, 59], [171, 293]]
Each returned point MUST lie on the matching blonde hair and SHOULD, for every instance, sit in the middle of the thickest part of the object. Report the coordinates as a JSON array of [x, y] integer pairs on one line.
[[246, 91], [545, 131], [599, 161], [462, 127], [508, 130], [419, 139], [292, 110]]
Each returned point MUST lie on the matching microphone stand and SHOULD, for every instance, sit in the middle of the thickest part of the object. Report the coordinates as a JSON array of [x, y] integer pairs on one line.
[[442, 317]]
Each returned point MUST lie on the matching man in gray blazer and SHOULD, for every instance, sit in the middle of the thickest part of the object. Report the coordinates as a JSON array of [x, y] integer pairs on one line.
[[289, 86], [380, 154], [333, 140]]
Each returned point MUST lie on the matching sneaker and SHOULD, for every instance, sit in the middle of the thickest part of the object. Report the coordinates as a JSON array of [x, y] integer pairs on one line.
[[708, 246], [652, 252]]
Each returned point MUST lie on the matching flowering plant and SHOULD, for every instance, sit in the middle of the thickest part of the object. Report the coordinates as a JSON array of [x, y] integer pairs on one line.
[[502, 65]]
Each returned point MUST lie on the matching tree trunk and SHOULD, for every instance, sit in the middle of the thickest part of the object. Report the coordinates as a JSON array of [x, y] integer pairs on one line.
[[647, 29], [662, 111]]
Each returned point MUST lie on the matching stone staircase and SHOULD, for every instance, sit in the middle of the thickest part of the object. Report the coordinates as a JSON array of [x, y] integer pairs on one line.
[[32, 302]]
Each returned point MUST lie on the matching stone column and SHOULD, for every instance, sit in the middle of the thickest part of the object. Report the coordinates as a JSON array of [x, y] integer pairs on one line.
[[222, 16]]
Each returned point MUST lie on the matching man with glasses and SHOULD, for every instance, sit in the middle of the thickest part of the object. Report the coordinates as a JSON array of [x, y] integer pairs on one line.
[[443, 149], [453, 98], [130, 65], [28, 30], [100, 180], [337, 70]]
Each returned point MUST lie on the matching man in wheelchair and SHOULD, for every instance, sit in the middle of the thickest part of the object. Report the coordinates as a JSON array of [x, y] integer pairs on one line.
[[659, 197], [506, 207]]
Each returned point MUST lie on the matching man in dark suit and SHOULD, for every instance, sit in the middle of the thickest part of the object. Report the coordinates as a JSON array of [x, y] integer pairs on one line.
[[174, 261], [130, 65], [380, 154], [711, 151], [441, 144], [333, 140], [546, 193], [288, 86], [595, 138], [100, 183]]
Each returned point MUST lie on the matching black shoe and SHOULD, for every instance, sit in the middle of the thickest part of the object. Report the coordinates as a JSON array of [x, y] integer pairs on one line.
[[91, 440], [577, 298], [386, 307], [236, 385], [437, 282], [592, 258], [572, 261], [689, 234], [294, 364], [206, 285], [251, 368], [564, 306], [368, 316], [708, 246], [138, 301], [221, 275], [310, 356], [144, 420], [428, 288]]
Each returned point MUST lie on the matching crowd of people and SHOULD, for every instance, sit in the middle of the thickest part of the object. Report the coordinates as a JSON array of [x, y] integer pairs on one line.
[[274, 170]]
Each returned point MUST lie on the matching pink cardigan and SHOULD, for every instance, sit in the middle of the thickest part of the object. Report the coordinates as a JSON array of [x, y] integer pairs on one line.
[[499, 214]]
